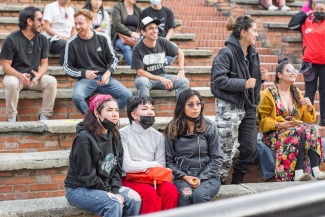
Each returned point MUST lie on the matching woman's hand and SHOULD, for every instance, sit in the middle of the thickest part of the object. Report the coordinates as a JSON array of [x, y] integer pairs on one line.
[[192, 181], [135, 35], [265, 74], [306, 101], [286, 124], [310, 13], [250, 83]]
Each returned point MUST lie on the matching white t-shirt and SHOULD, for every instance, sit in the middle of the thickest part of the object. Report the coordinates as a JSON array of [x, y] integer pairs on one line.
[[55, 14]]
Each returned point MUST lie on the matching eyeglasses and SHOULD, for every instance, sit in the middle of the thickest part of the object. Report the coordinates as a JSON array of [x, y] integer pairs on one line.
[[292, 71], [198, 104], [66, 16], [30, 47], [40, 19], [242, 22]]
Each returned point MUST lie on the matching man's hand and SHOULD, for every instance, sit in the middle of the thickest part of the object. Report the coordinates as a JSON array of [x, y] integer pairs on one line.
[[265, 74], [91, 74], [180, 74], [250, 83], [167, 83], [63, 37], [105, 78], [192, 181]]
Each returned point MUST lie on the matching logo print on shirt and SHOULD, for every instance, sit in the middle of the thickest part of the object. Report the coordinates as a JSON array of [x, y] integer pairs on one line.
[[109, 163], [308, 30], [99, 49]]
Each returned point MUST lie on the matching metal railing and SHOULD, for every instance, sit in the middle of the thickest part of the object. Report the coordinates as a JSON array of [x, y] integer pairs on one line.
[[306, 200]]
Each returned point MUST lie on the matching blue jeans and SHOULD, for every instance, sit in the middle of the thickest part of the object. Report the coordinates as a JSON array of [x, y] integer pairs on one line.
[[207, 190], [85, 87], [144, 84], [105, 203], [266, 159], [170, 59], [126, 49]]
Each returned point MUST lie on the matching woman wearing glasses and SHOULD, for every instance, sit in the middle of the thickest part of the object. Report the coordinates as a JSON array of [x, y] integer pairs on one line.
[[282, 113], [236, 79], [193, 151]]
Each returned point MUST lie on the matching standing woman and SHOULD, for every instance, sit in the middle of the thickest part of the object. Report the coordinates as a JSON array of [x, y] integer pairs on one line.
[[93, 181], [101, 21], [126, 20], [313, 35], [236, 80], [193, 150]]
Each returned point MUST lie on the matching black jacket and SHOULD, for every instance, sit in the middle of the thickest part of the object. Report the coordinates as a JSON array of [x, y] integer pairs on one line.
[[297, 21], [95, 164], [195, 155], [225, 83]]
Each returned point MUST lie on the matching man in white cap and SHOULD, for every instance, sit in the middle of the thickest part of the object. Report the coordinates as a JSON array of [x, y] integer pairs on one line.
[[148, 60]]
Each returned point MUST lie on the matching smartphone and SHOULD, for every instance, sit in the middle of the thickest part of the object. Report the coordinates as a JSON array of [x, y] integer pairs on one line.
[[298, 121], [96, 26], [98, 78], [32, 77]]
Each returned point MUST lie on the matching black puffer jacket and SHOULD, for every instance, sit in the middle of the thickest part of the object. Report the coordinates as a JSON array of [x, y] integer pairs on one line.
[[225, 83], [195, 155]]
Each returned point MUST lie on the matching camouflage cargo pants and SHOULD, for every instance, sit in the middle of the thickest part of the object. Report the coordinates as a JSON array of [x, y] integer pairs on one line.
[[228, 119]]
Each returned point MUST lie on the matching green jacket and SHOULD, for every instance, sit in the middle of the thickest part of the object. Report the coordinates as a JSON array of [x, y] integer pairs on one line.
[[119, 16]]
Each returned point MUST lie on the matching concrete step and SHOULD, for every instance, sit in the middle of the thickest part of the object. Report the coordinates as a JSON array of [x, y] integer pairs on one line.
[[256, 4], [261, 16], [261, 51], [295, 39], [275, 25]]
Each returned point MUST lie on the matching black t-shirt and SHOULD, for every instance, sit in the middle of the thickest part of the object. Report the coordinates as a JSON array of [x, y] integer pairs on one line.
[[132, 22], [165, 15], [25, 54], [152, 59]]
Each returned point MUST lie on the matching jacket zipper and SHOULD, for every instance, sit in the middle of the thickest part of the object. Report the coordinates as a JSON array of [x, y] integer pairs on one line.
[[198, 142], [180, 166]]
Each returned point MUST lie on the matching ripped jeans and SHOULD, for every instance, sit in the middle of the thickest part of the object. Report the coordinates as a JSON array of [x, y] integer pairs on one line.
[[105, 203], [207, 190]]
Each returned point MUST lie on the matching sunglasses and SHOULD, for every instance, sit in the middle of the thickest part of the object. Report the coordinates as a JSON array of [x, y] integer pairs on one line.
[[293, 71], [242, 22], [40, 19], [66, 16], [30, 47], [198, 104]]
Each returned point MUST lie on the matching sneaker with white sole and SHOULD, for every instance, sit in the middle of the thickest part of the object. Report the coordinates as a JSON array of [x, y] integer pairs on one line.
[[43, 117], [11, 119], [319, 176], [303, 177], [272, 8], [285, 8]]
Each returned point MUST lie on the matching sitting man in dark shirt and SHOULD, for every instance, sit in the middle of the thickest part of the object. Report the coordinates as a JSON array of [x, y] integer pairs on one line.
[[24, 57], [148, 61], [166, 17], [90, 58]]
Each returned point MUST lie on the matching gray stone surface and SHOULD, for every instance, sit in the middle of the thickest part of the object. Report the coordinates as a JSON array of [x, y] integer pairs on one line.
[[257, 2], [54, 207], [126, 70], [67, 93], [197, 53], [28, 126], [34, 160], [276, 25], [291, 39], [183, 36], [270, 13]]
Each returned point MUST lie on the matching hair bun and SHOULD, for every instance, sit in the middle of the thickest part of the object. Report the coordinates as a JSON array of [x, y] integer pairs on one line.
[[231, 23], [282, 60]]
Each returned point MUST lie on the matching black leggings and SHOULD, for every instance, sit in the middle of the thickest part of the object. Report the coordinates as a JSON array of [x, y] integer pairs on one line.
[[313, 156]]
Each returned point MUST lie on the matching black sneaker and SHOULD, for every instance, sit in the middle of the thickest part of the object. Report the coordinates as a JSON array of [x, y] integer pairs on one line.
[[322, 123]]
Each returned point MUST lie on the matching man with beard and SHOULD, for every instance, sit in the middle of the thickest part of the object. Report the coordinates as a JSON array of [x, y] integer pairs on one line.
[[148, 59], [90, 58], [25, 60], [58, 26]]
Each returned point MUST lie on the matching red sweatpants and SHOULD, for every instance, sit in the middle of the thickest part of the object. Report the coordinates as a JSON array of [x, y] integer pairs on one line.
[[164, 197]]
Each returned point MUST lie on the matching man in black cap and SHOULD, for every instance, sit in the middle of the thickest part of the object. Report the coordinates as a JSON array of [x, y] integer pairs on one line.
[[148, 60]]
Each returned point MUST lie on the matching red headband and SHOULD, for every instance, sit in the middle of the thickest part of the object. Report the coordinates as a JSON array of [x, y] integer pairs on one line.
[[97, 100]]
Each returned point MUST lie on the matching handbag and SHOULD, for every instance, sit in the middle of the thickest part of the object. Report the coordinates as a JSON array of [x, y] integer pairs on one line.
[[152, 176], [126, 39]]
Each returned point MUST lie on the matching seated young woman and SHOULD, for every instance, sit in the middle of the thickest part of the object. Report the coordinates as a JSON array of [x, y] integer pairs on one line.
[[193, 151], [144, 147], [93, 181], [284, 117]]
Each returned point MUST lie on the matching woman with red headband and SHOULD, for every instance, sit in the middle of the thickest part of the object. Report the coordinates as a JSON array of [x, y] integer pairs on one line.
[[93, 181]]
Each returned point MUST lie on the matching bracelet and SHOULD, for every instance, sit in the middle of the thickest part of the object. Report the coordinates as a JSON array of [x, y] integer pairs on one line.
[[277, 125], [180, 69]]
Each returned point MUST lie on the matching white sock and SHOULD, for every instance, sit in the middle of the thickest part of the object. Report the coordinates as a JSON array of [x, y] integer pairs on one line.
[[298, 173], [315, 171]]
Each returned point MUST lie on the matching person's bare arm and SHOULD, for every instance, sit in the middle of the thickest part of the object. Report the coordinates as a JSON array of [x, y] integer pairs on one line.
[[10, 71], [48, 29], [169, 33]]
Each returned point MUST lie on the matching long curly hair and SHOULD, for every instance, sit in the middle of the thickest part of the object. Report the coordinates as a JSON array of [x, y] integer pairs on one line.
[[293, 89]]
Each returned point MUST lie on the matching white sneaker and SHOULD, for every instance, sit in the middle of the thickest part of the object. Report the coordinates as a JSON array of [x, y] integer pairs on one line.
[[319, 176], [285, 8], [272, 8], [11, 119], [43, 117], [303, 177]]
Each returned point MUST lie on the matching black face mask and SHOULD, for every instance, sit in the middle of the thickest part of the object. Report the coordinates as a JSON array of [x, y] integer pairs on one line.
[[108, 125], [146, 121], [193, 119], [319, 15]]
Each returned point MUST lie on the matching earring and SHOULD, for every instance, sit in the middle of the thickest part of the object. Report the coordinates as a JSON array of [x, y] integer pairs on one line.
[[280, 80]]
